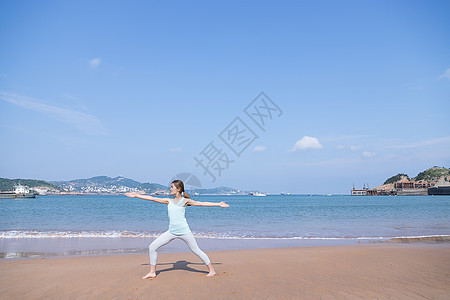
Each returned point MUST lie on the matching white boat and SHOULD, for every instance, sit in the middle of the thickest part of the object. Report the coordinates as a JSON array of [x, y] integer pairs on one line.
[[258, 194], [20, 191]]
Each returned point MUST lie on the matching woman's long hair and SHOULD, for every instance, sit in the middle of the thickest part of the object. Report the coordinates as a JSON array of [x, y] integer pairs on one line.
[[180, 186]]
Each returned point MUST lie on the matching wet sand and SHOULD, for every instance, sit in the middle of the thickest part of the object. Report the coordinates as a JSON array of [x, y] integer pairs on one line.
[[48, 247], [400, 271]]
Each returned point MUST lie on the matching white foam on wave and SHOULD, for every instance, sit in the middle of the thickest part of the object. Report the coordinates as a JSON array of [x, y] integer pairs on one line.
[[22, 234], [317, 238], [29, 234]]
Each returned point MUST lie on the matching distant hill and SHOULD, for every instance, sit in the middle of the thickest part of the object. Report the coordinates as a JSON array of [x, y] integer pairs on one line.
[[218, 190], [120, 184], [152, 187], [434, 174], [98, 181], [8, 184], [397, 178], [106, 184]]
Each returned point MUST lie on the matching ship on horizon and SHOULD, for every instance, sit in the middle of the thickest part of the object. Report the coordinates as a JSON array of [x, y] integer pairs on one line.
[[257, 194]]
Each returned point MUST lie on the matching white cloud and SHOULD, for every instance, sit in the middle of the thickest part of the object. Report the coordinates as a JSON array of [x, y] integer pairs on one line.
[[368, 154], [175, 149], [351, 148], [259, 149], [82, 121], [446, 74], [355, 148], [95, 62], [307, 142], [73, 102]]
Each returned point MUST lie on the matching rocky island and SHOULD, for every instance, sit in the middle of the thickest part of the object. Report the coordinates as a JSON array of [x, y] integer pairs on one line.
[[433, 181]]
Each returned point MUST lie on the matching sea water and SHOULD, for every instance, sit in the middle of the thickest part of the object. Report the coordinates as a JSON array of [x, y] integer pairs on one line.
[[273, 217]]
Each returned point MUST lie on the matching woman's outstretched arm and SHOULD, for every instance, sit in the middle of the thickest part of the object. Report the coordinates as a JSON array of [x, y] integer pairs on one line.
[[199, 203], [147, 197]]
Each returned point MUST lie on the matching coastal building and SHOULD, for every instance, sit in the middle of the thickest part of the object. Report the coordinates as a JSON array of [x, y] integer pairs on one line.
[[364, 192], [411, 185], [442, 188], [411, 188], [356, 192]]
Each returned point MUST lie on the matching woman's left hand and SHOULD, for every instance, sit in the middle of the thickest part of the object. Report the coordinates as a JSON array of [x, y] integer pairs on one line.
[[223, 204]]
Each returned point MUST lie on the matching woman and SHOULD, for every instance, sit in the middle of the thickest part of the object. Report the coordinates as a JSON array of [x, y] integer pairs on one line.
[[178, 227]]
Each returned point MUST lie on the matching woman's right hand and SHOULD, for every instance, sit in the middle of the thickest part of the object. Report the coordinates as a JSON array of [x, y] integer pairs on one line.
[[130, 194]]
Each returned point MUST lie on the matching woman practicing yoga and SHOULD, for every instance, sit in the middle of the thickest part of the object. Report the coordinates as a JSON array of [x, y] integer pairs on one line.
[[178, 227]]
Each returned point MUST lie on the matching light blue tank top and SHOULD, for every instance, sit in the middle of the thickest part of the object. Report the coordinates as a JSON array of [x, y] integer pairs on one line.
[[178, 224]]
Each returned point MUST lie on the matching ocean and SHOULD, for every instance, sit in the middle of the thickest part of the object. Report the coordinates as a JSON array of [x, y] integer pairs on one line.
[[86, 223]]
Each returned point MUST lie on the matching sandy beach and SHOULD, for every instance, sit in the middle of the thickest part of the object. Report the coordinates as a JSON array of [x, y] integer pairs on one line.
[[399, 271]]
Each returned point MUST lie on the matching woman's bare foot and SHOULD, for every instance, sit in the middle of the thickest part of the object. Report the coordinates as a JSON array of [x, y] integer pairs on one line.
[[212, 272], [149, 275]]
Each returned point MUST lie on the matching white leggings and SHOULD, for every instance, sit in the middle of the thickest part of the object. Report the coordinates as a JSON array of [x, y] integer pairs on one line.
[[166, 237]]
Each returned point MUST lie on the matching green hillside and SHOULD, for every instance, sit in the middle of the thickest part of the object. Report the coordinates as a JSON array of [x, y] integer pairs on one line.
[[396, 178], [103, 184], [434, 174], [8, 184]]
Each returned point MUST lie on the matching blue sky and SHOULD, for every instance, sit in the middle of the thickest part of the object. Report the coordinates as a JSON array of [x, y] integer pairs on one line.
[[140, 88]]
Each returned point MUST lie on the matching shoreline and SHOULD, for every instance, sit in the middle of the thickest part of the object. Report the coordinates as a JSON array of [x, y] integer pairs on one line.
[[24, 248], [392, 270], [69, 247]]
